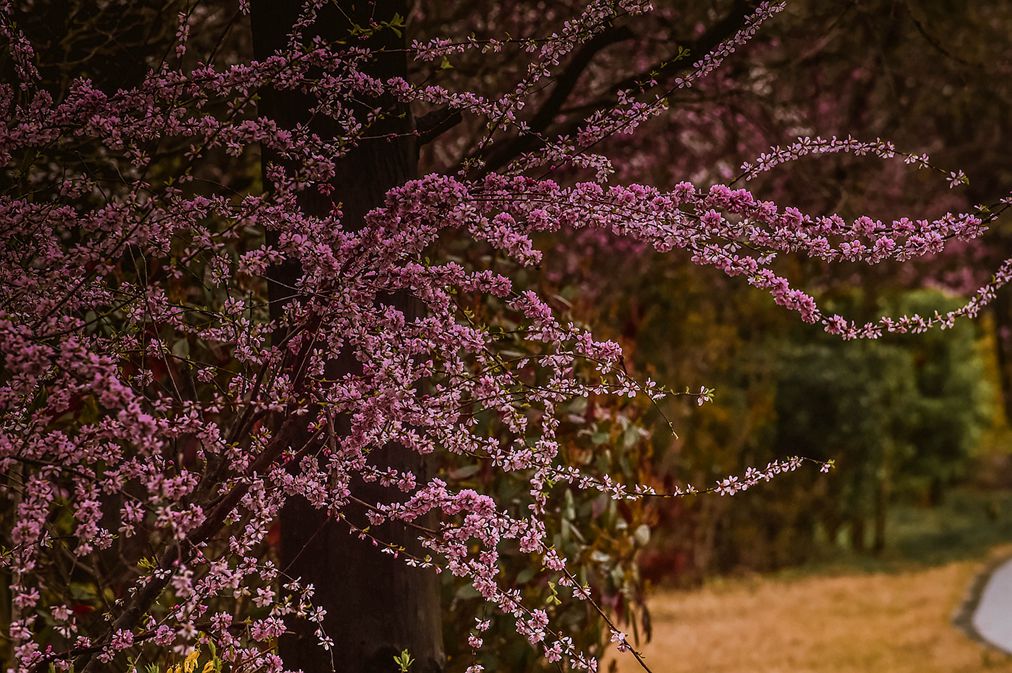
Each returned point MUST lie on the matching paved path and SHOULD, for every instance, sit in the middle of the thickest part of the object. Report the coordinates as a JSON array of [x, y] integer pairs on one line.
[[993, 617]]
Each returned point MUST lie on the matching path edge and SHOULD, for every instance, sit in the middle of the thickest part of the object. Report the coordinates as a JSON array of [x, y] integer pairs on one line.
[[963, 616]]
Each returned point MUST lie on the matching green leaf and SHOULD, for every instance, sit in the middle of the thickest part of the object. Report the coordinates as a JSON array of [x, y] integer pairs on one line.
[[465, 592], [526, 575], [465, 472], [404, 661], [181, 348]]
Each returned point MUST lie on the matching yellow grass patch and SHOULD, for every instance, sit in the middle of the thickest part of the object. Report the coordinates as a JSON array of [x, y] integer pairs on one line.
[[860, 623]]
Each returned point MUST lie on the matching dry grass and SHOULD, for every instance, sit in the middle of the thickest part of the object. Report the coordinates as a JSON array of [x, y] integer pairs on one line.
[[859, 623]]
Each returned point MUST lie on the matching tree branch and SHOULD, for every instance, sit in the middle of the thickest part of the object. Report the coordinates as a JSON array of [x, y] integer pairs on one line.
[[504, 151]]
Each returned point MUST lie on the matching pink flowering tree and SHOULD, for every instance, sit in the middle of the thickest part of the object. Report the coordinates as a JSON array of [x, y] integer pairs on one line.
[[189, 360]]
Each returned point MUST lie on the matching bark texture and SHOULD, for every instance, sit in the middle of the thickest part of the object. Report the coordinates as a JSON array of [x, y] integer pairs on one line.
[[376, 606]]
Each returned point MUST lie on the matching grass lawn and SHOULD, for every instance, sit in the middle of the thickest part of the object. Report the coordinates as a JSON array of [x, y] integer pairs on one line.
[[849, 614]]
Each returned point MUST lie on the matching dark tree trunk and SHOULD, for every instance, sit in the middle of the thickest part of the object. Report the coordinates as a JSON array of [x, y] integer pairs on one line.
[[881, 510], [857, 534], [1002, 312], [376, 606]]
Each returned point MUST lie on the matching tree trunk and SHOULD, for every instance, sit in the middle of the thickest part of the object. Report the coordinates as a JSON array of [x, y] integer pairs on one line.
[[881, 514], [1002, 312], [857, 534], [376, 605]]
